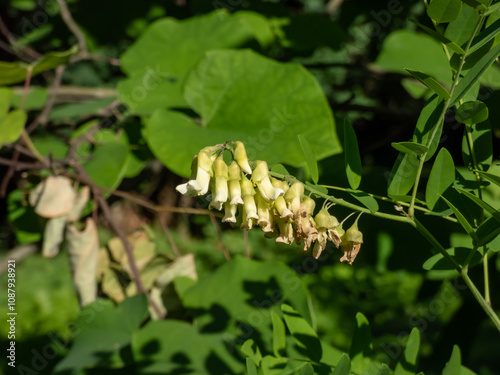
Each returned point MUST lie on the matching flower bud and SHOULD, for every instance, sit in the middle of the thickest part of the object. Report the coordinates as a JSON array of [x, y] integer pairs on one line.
[[221, 189], [249, 206], [263, 211], [186, 189], [240, 155], [279, 184], [234, 183], [324, 220], [351, 243], [281, 208], [229, 213], [262, 178], [234, 171], [200, 180], [309, 205], [294, 196], [246, 187]]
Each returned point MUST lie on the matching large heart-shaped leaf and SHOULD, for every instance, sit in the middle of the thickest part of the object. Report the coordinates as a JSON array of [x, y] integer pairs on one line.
[[243, 96], [157, 64]]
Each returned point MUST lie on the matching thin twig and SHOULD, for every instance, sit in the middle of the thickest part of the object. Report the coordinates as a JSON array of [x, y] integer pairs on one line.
[[129, 250], [219, 236], [13, 165], [166, 229], [70, 22], [29, 53], [44, 115]]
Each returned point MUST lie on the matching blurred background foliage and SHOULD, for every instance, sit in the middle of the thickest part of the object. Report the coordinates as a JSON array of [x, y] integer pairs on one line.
[[143, 101]]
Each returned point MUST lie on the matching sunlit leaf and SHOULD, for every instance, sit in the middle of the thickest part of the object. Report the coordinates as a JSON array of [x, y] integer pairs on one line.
[[12, 72], [11, 126], [453, 365], [267, 116], [407, 365], [312, 165], [352, 159], [157, 64]]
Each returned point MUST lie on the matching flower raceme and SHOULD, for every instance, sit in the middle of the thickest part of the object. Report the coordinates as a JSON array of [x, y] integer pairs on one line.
[[250, 197]]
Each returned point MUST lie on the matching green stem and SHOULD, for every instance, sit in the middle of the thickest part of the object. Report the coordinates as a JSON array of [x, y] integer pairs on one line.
[[342, 202], [411, 210], [434, 242], [486, 278], [29, 144], [470, 142], [386, 199], [479, 298]]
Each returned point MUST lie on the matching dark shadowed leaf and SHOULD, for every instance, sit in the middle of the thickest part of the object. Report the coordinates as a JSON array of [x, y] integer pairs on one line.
[[443, 11], [441, 177], [473, 112]]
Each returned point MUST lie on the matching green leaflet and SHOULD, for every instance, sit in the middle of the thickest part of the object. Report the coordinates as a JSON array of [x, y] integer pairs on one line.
[[474, 74], [441, 177], [431, 83], [443, 11], [408, 363], [410, 147], [310, 158], [352, 159]]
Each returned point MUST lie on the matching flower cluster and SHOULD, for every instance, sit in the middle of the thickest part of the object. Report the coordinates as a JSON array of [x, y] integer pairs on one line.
[[251, 197]]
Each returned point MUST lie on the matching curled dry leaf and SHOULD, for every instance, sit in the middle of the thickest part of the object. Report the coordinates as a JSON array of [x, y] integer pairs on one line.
[[53, 197], [182, 266], [53, 236], [144, 250], [83, 250], [81, 199]]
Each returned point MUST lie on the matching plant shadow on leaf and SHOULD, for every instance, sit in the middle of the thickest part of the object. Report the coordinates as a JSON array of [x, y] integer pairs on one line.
[[220, 318], [307, 344]]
